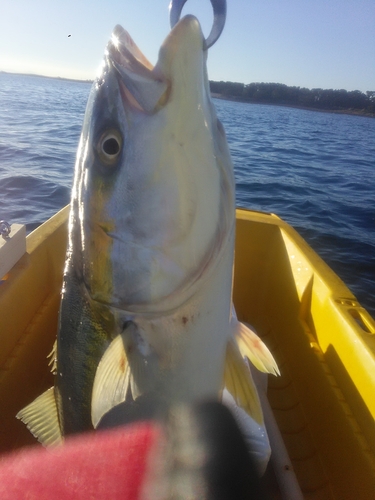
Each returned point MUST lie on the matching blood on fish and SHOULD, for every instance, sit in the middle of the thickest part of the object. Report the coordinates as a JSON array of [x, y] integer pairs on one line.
[[122, 364]]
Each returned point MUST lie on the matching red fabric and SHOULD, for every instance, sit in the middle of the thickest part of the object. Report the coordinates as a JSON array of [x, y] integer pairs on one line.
[[106, 464]]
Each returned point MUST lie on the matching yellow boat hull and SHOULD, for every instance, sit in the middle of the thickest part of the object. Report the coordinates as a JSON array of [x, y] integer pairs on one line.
[[322, 339]]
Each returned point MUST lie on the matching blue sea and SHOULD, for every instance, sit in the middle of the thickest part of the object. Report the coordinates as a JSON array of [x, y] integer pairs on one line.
[[315, 170]]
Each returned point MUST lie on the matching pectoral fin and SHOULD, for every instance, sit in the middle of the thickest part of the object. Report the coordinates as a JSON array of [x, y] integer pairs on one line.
[[239, 383], [128, 363], [252, 347], [41, 418], [111, 381]]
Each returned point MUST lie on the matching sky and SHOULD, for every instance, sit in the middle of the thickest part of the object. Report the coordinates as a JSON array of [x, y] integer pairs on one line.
[[307, 43]]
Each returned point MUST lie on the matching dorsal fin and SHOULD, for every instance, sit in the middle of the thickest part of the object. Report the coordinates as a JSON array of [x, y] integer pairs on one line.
[[53, 358]]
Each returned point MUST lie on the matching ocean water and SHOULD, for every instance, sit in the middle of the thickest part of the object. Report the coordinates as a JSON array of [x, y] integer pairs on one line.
[[315, 170]]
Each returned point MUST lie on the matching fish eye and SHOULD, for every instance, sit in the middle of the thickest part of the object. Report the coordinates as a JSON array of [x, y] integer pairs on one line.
[[109, 146]]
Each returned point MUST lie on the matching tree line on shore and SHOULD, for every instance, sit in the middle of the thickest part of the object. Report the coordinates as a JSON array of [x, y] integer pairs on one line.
[[278, 93]]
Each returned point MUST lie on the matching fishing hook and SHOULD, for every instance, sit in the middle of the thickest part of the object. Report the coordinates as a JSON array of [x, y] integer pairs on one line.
[[220, 13]]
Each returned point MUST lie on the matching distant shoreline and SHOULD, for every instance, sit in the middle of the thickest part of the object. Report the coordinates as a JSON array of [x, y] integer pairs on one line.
[[353, 112], [49, 77]]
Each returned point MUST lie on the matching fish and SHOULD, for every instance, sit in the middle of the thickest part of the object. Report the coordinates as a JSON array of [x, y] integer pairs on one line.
[[146, 306]]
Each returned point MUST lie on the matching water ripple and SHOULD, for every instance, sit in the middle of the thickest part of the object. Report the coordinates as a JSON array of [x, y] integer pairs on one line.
[[315, 170]]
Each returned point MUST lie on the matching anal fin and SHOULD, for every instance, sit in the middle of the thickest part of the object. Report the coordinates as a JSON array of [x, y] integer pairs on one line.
[[41, 418]]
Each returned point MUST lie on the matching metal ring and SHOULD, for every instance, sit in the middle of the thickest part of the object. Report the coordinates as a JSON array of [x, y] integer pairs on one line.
[[220, 13], [5, 229]]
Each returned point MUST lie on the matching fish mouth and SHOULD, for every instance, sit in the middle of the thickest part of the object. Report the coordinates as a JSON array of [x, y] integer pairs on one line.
[[123, 50], [141, 84]]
